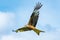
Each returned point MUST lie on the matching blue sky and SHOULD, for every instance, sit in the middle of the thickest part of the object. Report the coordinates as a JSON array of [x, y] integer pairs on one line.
[[15, 14]]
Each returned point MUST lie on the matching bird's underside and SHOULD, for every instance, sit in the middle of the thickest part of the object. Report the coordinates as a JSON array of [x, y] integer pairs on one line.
[[32, 22]]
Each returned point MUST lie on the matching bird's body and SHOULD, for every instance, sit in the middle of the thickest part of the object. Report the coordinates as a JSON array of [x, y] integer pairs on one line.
[[33, 21], [30, 26]]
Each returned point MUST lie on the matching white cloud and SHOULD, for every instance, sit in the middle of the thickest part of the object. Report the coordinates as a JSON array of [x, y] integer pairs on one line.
[[11, 37], [6, 19]]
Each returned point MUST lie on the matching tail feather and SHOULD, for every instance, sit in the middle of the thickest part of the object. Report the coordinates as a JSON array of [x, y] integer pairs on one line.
[[37, 31]]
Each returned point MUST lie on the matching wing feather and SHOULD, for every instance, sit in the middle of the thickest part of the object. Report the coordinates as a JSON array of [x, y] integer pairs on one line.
[[34, 17]]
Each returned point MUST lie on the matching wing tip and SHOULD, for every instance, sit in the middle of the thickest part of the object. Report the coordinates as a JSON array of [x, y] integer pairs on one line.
[[38, 6], [15, 31]]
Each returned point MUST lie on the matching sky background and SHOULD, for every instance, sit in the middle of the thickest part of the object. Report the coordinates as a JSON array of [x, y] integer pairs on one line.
[[15, 14]]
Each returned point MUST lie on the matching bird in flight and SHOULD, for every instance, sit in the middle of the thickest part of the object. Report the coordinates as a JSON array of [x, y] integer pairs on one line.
[[32, 22]]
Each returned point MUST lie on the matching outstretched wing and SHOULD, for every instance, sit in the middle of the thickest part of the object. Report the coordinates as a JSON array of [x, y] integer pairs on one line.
[[34, 17], [22, 29]]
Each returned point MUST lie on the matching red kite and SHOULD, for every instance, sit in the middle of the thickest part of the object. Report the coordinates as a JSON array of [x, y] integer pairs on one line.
[[33, 21]]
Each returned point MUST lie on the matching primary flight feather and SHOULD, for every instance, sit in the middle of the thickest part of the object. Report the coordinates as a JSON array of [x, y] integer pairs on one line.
[[33, 21]]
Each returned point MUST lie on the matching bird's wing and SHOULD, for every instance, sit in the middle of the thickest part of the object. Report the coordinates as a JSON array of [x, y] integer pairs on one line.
[[22, 29], [34, 17]]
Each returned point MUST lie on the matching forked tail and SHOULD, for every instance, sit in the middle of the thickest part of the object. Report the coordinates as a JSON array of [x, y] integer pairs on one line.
[[37, 31]]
